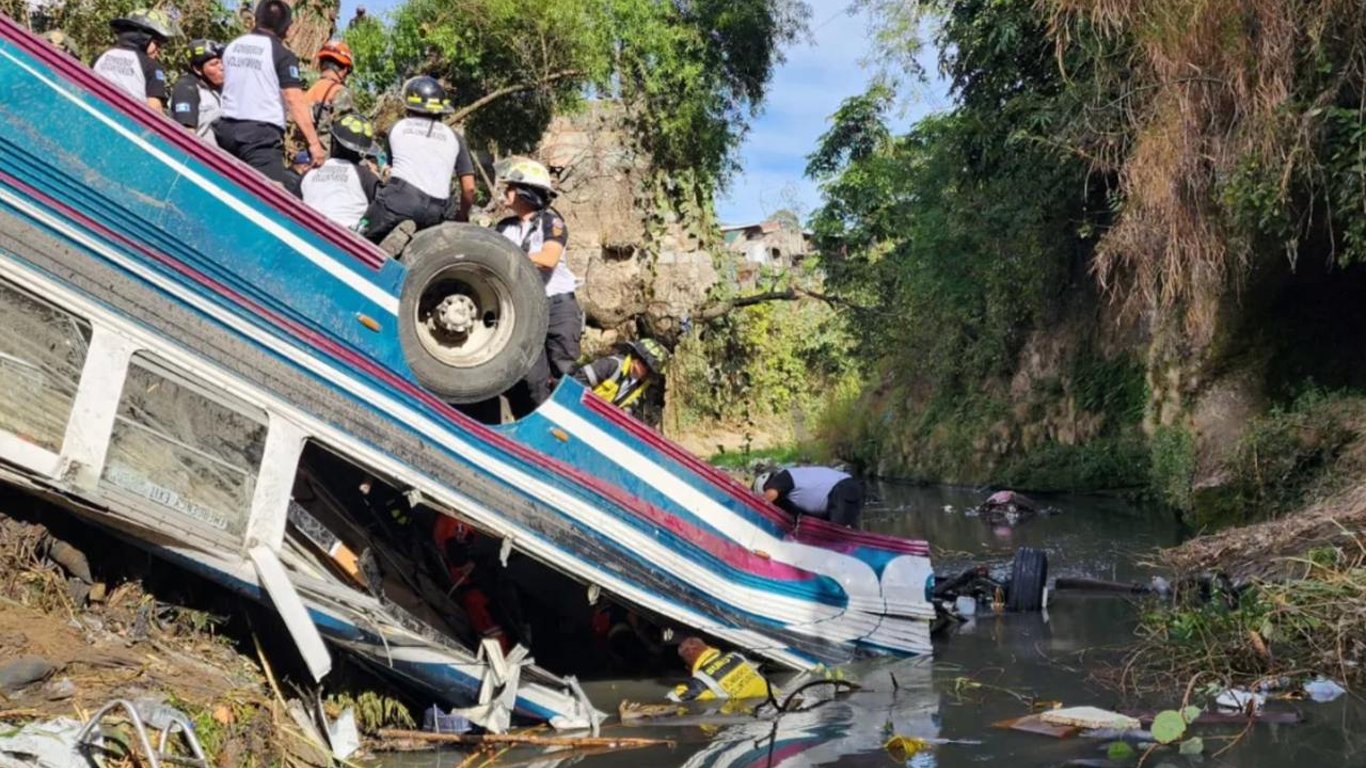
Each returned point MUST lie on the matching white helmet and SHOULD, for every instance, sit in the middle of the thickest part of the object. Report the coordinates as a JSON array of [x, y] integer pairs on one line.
[[760, 480], [525, 172]]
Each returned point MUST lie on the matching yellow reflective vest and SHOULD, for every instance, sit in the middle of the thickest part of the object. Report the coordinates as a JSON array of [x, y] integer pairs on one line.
[[620, 389], [717, 675]]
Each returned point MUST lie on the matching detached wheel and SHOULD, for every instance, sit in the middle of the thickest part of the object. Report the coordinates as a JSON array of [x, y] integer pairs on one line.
[[472, 312], [1027, 579]]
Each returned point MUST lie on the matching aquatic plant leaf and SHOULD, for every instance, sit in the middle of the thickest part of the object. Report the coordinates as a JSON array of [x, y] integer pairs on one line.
[[1192, 746], [903, 748], [1119, 751], [1168, 726], [1189, 714]]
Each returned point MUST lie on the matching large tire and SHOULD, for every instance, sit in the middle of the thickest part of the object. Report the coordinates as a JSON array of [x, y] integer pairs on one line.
[[1028, 577], [472, 312]]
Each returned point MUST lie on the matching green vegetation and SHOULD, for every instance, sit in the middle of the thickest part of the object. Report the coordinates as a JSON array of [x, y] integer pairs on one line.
[[690, 75], [775, 361], [1024, 256], [1173, 466], [1112, 462], [1308, 622], [1288, 457], [744, 459], [958, 238]]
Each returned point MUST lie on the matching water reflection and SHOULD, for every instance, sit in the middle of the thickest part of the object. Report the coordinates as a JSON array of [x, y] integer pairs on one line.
[[1053, 656], [896, 698]]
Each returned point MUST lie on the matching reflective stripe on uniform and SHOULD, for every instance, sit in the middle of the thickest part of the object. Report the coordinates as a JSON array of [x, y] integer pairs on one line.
[[721, 676]]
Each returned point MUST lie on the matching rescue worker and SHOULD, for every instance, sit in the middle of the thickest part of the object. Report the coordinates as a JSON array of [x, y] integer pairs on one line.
[[823, 492], [474, 570], [262, 83], [197, 97], [717, 675], [425, 155], [343, 188], [132, 63], [541, 233], [329, 97], [294, 174], [622, 379]]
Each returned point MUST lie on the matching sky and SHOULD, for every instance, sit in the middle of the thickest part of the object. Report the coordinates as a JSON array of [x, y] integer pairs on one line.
[[821, 70], [818, 75]]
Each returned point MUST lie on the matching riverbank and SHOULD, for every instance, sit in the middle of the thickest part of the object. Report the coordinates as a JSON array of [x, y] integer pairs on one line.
[[94, 619], [1288, 599]]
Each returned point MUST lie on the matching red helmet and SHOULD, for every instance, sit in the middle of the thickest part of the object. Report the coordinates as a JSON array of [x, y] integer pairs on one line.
[[337, 51]]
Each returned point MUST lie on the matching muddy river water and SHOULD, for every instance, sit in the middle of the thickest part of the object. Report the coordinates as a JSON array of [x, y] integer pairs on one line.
[[1051, 656]]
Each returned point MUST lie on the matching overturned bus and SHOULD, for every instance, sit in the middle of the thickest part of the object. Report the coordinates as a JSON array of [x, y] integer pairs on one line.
[[196, 362]]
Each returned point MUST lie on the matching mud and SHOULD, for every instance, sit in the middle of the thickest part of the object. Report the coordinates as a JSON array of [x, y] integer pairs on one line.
[[139, 639]]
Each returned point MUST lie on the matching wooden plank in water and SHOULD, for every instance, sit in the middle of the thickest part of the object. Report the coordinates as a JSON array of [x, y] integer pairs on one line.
[[1035, 724]]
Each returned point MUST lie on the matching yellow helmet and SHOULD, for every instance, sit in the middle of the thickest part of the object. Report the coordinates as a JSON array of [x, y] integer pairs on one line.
[[525, 172], [155, 22]]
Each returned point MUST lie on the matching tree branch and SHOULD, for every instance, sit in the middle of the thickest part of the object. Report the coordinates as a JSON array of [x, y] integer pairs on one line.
[[722, 308], [460, 115]]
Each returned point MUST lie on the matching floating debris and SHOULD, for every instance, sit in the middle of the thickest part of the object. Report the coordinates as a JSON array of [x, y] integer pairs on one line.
[[1090, 718], [1322, 690]]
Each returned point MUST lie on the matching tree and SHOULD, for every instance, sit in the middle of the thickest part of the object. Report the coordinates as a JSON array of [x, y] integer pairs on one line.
[[690, 73]]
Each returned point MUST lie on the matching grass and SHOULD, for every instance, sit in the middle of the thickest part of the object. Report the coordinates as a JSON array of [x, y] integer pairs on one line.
[[1313, 622], [744, 459], [1105, 463]]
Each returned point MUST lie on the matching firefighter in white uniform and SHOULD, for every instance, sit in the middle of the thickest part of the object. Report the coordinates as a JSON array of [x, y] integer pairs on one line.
[[132, 63], [343, 187]]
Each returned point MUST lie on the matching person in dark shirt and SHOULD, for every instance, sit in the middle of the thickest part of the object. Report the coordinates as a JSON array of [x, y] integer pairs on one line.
[[197, 97], [539, 230], [294, 174], [822, 492]]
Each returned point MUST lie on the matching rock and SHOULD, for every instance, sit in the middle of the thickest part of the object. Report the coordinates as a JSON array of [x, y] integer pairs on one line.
[[98, 592], [24, 671], [59, 690], [78, 591]]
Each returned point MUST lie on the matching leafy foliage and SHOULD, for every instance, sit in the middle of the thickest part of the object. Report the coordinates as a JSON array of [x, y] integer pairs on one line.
[[1255, 106], [86, 23], [1307, 622], [767, 359], [691, 73], [961, 236]]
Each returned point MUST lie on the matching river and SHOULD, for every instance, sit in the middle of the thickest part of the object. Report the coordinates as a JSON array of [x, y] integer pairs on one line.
[[1050, 656]]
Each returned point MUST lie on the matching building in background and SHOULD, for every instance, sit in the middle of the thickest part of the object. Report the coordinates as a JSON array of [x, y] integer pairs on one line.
[[776, 242]]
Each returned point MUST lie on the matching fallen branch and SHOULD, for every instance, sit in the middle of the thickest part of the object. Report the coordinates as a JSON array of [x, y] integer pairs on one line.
[[721, 308], [524, 738], [461, 114], [786, 706]]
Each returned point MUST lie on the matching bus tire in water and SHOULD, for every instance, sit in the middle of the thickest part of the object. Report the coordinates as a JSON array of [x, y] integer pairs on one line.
[[1027, 579], [472, 312]]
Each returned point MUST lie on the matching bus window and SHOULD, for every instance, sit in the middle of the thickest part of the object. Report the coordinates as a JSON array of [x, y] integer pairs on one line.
[[191, 451], [42, 350]]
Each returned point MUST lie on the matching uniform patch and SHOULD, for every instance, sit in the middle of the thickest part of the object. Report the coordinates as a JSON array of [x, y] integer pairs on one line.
[[160, 75], [556, 227], [182, 108], [294, 71]]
